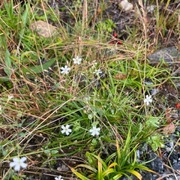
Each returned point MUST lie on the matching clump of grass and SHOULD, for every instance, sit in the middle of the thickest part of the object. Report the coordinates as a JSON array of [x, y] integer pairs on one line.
[[49, 103]]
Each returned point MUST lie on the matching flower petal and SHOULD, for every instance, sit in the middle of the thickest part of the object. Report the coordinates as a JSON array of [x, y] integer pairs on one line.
[[16, 159], [17, 167], [23, 165], [23, 159], [12, 164]]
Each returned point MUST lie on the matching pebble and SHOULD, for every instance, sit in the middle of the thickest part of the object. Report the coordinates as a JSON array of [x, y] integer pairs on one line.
[[170, 55], [156, 163], [43, 28]]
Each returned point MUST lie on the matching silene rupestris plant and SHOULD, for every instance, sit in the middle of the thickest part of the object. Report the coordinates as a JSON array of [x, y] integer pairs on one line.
[[123, 162]]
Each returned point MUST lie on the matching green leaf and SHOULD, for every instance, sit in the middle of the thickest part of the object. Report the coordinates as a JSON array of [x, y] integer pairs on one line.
[[25, 16], [101, 161], [24, 19], [153, 122], [100, 176], [112, 165], [4, 79], [142, 167], [90, 158], [38, 68], [155, 141], [135, 173], [107, 172], [87, 167], [8, 66], [117, 176], [79, 175]]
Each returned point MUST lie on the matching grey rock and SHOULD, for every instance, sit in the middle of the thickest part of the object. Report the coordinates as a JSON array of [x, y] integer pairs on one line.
[[156, 163], [172, 178], [170, 55], [150, 176], [175, 160]]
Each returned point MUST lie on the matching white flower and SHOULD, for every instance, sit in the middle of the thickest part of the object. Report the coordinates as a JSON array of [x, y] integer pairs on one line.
[[58, 178], [97, 72], [94, 131], [77, 60], [148, 100], [66, 129], [65, 70], [11, 96], [151, 8], [18, 163], [125, 5]]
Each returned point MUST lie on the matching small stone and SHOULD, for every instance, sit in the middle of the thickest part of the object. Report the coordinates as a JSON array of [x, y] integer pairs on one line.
[[43, 28], [170, 55], [170, 178], [175, 160], [156, 164], [169, 129], [125, 5], [169, 147]]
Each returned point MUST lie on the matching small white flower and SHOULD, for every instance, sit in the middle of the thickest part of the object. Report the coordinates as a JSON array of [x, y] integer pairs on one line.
[[11, 96], [148, 100], [58, 178], [94, 131], [66, 129], [65, 69], [125, 5], [18, 163], [77, 60], [97, 72], [151, 8]]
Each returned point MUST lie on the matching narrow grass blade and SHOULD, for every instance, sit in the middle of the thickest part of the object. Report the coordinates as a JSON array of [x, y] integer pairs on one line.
[[116, 177], [100, 177], [135, 173], [8, 67], [107, 172], [79, 175], [87, 167]]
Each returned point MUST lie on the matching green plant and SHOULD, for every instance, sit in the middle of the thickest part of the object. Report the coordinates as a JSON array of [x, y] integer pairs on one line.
[[156, 141], [120, 163], [105, 26]]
